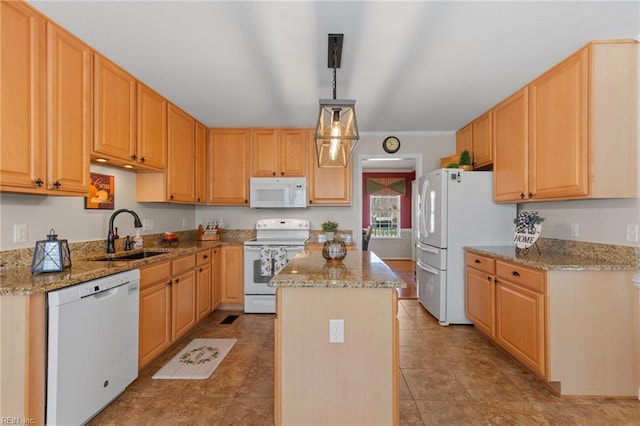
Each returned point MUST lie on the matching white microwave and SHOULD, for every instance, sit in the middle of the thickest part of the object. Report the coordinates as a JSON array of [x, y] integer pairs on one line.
[[278, 192]]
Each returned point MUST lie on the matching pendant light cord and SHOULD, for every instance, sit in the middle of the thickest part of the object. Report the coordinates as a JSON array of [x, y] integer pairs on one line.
[[335, 61]]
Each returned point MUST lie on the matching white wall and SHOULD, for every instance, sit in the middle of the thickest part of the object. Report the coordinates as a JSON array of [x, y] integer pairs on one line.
[[72, 222], [599, 221], [432, 146]]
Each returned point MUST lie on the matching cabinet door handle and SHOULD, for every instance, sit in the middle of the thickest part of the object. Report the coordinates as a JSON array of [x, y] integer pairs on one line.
[[38, 182], [206, 256], [515, 273], [171, 197], [530, 195], [495, 281], [200, 270], [57, 184], [522, 195], [142, 159], [177, 280], [477, 261], [134, 157], [488, 278]]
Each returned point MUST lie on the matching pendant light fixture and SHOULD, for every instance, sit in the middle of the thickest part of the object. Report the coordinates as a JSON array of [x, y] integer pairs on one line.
[[337, 129]]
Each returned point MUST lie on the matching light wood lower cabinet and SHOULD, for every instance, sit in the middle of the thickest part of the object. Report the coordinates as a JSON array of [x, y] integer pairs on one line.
[[155, 311], [203, 284], [216, 278], [576, 329], [174, 296], [520, 313], [232, 275], [480, 295]]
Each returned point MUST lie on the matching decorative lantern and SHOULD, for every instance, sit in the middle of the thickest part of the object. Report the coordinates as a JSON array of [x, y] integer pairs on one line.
[[51, 255]]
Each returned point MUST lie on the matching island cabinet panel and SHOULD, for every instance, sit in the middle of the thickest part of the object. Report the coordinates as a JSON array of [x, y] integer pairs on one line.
[[228, 159], [115, 111], [23, 101], [357, 379]]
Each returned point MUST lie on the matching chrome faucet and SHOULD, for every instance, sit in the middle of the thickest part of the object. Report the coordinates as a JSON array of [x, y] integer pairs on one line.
[[113, 236]]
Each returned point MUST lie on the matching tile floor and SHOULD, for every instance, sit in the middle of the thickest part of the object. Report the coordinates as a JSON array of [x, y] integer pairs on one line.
[[449, 376]]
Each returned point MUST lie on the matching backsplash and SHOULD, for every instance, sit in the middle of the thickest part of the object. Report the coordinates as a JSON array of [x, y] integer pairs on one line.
[[19, 258]]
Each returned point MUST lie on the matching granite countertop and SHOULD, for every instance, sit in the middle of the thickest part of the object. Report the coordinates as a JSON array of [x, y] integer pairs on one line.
[[560, 260], [19, 281], [360, 269]]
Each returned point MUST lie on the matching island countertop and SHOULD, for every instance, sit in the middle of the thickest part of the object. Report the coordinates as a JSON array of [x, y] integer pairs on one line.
[[360, 269]]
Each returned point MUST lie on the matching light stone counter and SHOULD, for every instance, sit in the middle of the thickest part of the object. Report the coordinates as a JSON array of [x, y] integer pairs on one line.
[[360, 269]]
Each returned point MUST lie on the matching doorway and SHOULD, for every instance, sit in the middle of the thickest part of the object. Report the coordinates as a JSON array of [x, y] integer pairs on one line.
[[388, 243]]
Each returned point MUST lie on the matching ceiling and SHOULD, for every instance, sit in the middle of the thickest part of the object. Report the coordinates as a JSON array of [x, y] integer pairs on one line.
[[411, 66]]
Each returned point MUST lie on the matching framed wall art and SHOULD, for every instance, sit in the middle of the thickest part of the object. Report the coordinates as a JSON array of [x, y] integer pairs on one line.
[[102, 192]]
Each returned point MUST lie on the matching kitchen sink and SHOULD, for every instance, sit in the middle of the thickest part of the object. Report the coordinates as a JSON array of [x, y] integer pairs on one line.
[[133, 256]]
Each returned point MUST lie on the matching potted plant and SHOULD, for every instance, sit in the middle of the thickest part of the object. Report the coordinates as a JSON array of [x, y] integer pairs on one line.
[[329, 227], [465, 160]]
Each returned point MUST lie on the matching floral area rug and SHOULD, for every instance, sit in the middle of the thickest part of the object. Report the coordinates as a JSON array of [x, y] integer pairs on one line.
[[197, 360]]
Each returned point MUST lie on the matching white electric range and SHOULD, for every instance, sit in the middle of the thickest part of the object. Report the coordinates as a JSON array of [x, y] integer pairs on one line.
[[277, 242]]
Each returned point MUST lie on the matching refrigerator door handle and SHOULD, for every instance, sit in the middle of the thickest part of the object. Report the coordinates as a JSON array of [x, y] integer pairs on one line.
[[428, 249], [427, 268]]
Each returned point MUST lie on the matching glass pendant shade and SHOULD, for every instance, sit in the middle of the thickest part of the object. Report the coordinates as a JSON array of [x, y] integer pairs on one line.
[[51, 255], [336, 133]]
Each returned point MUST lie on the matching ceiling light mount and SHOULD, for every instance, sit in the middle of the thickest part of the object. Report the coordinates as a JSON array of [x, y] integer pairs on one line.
[[337, 129]]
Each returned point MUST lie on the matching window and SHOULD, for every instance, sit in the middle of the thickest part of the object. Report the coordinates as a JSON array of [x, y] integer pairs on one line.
[[385, 216]]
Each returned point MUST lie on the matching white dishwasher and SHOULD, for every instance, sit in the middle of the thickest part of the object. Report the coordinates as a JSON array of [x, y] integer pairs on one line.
[[92, 338]]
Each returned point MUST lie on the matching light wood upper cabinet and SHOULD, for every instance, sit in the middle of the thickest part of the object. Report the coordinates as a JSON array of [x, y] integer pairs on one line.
[[482, 143], [115, 112], [201, 163], [558, 132], [464, 140], [182, 153], [152, 128], [232, 275], [69, 111], [510, 145], [228, 159], [293, 147], [328, 186], [46, 118], [23, 101], [580, 123], [279, 152]]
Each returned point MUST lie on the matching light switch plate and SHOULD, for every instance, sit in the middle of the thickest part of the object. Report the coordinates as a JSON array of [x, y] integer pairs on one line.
[[336, 331], [20, 233], [632, 233]]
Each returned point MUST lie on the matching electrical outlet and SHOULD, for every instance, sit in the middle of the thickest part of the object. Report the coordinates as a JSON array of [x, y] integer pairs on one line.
[[336, 331], [147, 224], [632, 233], [184, 222], [575, 230], [20, 233]]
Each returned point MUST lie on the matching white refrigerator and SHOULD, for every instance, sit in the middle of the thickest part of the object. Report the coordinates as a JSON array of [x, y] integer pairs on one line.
[[455, 209]]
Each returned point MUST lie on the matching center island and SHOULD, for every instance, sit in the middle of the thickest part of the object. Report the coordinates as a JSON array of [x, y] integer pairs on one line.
[[328, 376]]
